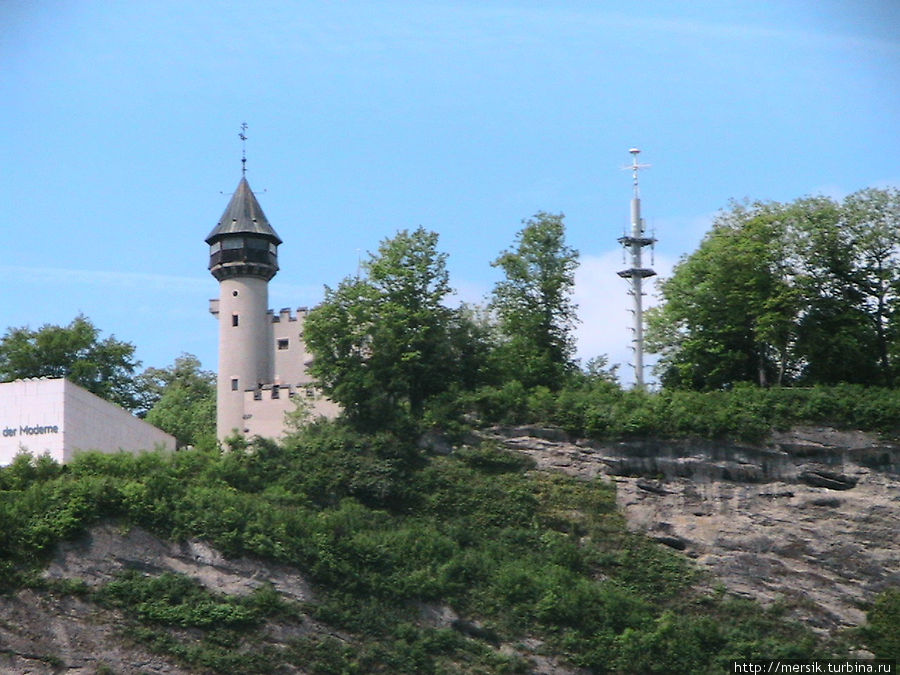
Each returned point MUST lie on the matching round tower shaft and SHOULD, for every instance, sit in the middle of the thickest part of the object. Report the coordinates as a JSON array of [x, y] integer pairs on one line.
[[243, 257]]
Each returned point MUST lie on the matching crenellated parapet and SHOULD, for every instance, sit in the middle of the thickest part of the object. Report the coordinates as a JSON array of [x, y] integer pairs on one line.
[[286, 315]]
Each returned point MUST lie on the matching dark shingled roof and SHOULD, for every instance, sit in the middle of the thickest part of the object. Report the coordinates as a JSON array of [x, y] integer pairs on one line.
[[243, 215]]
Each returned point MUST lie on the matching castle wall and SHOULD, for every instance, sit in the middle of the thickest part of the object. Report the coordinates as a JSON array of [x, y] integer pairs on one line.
[[259, 408], [265, 409], [290, 354]]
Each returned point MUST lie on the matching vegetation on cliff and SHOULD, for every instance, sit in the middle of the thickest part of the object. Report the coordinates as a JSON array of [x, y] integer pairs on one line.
[[385, 533], [594, 407]]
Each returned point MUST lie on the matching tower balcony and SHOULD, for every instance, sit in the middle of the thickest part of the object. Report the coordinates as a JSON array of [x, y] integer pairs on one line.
[[243, 256], [636, 272], [636, 241]]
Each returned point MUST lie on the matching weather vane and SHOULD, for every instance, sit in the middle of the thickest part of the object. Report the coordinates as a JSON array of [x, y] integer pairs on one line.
[[243, 138]]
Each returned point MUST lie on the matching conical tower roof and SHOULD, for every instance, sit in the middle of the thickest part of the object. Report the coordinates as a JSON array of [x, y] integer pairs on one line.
[[243, 215]]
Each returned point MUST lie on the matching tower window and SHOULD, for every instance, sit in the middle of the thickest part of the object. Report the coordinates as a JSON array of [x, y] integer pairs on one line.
[[234, 384], [234, 319], [276, 392], [283, 344]]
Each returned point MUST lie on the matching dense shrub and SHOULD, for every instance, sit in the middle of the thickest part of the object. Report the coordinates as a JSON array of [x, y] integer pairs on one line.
[[599, 409], [173, 599], [882, 634]]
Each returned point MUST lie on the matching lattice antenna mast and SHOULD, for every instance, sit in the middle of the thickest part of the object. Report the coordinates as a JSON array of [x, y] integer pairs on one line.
[[635, 243], [243, 136]]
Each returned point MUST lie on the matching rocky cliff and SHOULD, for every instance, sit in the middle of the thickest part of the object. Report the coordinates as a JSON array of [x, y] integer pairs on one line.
[[810, 519]]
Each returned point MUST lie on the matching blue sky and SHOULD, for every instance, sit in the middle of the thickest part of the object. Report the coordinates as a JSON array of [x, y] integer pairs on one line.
[[120, 150]]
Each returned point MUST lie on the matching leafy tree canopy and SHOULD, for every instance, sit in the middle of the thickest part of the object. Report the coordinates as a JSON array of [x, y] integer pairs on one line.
[[383, 344], [534, 304], [805, 293], [181, 400], [104, 367]]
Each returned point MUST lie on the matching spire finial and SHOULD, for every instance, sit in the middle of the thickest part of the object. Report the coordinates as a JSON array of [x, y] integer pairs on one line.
[[243, 137]]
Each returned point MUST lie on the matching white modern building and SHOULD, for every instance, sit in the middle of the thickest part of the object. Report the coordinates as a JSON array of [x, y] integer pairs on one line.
[[57, 417], [262, 357]]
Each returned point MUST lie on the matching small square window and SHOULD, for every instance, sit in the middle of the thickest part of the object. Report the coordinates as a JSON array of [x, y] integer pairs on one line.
[[283, 344], [234, 319], [234, 384]]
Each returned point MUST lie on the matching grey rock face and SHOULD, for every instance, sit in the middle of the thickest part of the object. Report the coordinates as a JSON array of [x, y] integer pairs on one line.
[[44, 633], [812, 518]]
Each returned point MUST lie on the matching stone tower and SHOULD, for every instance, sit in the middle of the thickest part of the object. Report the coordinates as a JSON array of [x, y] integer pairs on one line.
[[243, 257]]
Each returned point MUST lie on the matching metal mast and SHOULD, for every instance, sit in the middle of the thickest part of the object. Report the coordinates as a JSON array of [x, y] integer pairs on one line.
[[635, 242]]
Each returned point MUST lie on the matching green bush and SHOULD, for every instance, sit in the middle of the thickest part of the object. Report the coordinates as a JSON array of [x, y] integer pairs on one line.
[[882, 632], [173, 599]]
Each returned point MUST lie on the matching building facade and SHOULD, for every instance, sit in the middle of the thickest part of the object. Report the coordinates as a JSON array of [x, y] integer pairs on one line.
[[57, 417], [262, 357]]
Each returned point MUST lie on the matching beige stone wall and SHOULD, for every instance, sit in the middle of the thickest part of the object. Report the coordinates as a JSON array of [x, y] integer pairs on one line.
[[264, 409], [258, 409], [291, 356], [264, 415]]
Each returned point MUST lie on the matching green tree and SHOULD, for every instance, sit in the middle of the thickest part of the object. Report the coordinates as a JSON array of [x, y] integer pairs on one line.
[[473, 338], [880, 633], [729, 308], [381, 344], [805, 292], [76, 352], [534, 304], [872, 217], [181, 400], [837, 340]]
